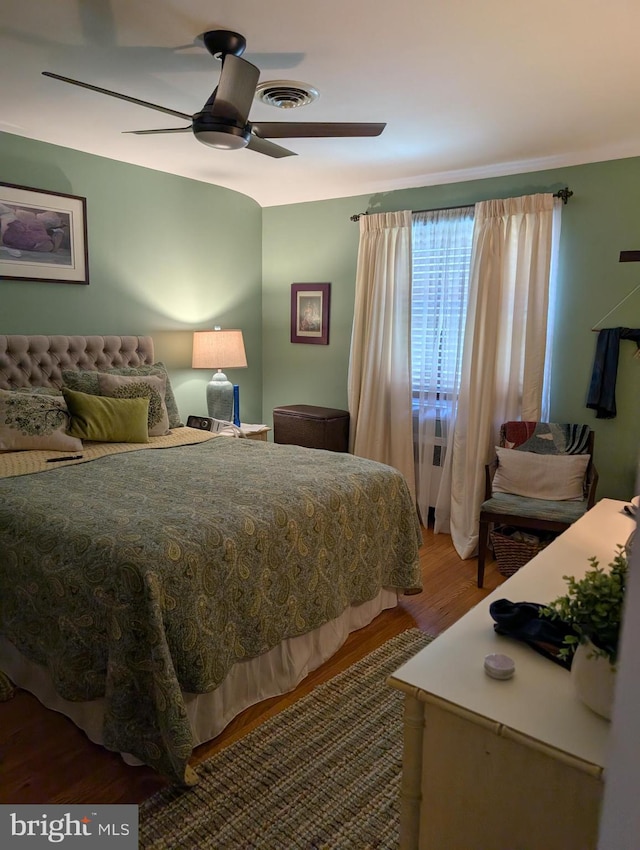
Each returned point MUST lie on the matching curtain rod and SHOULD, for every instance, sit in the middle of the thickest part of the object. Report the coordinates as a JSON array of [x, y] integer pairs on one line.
[[565, 194]]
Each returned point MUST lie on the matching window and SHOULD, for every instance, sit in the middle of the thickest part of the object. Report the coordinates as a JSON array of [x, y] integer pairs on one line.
[[441, 249], [441, 252]]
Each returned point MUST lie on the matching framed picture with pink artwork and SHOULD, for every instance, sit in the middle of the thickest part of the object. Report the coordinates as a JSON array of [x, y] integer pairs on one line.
[[310, 313], [43, 236]]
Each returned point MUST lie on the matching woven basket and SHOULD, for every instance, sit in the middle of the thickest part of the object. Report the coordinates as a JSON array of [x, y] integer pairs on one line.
[[512, 554]]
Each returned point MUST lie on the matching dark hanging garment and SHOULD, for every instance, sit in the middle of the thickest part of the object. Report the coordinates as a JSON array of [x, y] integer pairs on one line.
[[602, 390]]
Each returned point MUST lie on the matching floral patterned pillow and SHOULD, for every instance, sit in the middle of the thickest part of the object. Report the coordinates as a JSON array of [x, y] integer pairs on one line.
[[157, 368], [140, 386], [35, 421]]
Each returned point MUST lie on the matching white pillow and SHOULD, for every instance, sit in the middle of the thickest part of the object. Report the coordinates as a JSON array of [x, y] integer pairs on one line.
[[35, 421], [553, 477]]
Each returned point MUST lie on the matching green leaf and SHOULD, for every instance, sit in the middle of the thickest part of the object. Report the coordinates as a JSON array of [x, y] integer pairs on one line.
[[592, 607]]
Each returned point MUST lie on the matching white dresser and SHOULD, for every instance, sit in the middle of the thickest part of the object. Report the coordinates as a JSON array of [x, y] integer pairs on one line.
[[506, 765]]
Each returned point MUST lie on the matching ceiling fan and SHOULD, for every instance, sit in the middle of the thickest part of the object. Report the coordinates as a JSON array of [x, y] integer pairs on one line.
[[223, 121]]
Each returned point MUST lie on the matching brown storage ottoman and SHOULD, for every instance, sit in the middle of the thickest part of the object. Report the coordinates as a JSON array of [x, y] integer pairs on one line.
[[313, 427]]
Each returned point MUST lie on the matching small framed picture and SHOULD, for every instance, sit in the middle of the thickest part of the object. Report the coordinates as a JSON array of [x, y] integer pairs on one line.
[[43, 236], [310, 313]]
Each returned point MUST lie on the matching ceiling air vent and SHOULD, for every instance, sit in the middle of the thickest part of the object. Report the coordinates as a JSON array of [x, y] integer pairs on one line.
[[286, 94]]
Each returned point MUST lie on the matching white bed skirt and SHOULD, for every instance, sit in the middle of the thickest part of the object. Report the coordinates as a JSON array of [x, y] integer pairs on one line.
[[248, 682]]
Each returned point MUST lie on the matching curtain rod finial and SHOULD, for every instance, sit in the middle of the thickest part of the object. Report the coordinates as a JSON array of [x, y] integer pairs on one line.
[[565, 194]]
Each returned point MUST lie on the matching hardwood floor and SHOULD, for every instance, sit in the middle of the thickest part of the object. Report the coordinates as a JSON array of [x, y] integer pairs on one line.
[[44, 758]]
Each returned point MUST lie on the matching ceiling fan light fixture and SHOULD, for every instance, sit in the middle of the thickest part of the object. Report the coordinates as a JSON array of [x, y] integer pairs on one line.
[[286, 94], [221, 140], [226, 137]]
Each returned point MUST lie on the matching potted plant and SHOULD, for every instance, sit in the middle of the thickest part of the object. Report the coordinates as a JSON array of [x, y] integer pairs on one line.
[[592, 610]]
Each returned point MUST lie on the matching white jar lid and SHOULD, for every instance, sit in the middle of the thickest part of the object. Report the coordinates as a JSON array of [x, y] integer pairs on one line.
[[499, 666]]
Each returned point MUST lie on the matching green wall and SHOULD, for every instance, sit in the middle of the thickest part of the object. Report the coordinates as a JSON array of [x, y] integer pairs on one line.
[[323, 249], [167, 256], [317, 242]]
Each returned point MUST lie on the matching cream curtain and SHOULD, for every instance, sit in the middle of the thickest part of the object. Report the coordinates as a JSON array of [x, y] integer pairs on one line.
[[379, 384], [505, 347]]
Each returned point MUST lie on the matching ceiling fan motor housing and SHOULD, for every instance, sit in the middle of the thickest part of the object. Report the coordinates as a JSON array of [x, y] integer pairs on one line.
[[219, 43], [218, 133]]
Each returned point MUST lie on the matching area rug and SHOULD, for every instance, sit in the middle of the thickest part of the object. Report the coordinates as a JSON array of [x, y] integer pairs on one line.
[[323, 774]]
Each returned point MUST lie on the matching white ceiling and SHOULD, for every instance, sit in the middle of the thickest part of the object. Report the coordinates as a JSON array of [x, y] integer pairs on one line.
[[468, 88]]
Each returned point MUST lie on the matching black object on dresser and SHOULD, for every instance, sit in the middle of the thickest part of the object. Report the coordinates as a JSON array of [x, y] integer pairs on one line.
[[311, 426]]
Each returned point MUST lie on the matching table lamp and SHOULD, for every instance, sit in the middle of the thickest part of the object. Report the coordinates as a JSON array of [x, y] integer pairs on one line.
[[219, 349]]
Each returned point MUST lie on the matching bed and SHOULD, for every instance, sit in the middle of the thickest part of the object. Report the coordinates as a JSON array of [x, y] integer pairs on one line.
[[153, 590]]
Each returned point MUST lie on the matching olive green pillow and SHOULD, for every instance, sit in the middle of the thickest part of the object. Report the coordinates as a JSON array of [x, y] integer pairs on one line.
[[107, 420]]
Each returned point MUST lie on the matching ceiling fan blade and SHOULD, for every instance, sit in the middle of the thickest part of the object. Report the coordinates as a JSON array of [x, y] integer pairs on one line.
[[310, 130], [237, 86], [116, 94], [151, 132], [269, 148]]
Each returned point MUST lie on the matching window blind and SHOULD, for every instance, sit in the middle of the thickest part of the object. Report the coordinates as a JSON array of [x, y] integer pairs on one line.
[[441, 250]]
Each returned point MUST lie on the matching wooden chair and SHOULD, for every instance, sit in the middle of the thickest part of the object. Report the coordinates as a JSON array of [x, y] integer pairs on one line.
[[500, 508]]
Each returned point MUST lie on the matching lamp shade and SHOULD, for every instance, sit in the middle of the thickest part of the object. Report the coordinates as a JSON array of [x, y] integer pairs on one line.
[[219, 350]]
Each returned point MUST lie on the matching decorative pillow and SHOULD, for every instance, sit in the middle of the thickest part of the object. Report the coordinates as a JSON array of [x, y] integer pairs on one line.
[[87, 382], [169, 399], [35, 421], [81, 382], [107, 420], [555, 477], [147, 386], [39, 391]]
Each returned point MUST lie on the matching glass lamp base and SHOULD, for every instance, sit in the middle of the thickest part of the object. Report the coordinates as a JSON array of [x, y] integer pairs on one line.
[[220, 397]]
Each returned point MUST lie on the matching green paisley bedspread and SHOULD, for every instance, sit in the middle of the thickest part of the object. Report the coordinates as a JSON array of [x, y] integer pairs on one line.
[[138, 576]]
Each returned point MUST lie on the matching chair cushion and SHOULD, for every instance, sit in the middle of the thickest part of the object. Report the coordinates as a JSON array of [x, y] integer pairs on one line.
[[509, 505], [555, 477]]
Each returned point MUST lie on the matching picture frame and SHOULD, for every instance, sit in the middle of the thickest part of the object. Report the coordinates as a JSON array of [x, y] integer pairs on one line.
[[43, 236], [310, 313]]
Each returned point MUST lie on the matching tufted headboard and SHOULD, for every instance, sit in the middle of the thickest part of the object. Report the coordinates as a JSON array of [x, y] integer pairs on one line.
[[38, 361]]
